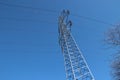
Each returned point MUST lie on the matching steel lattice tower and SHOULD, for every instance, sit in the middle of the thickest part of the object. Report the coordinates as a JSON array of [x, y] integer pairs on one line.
[[75, 64]]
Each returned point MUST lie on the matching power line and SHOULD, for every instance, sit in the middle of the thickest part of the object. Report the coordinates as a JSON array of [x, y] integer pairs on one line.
[[27, 7], [29, 20], [55, 11], [93, 19]]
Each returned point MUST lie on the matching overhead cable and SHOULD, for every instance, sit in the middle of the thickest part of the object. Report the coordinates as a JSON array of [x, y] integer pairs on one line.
[[55, 11]]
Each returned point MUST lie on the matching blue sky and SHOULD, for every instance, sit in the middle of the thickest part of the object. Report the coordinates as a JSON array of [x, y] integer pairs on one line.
[[29, 47]]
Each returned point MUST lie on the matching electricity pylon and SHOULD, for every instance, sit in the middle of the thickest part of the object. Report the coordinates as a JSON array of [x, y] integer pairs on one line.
[[75, 64]]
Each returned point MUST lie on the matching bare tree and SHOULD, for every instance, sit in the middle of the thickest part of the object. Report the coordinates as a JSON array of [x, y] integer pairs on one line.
[[116, 67], [113, 39], [113, 36]]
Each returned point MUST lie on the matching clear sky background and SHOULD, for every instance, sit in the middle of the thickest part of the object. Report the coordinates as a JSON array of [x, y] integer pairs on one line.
[[29, 47]]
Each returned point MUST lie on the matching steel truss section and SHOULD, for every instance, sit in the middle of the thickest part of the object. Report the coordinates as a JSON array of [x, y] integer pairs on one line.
[[75, 65]]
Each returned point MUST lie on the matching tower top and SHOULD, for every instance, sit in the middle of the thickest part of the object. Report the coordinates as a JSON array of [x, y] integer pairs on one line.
[[63, 19]]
